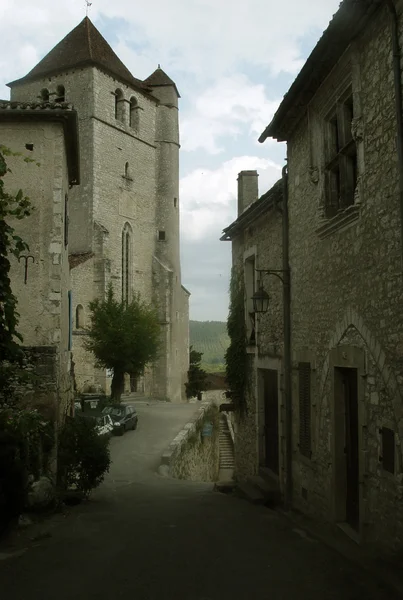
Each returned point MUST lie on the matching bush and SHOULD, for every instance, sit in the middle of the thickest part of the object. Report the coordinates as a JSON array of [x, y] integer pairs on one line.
[[26, 440], [83, 456]]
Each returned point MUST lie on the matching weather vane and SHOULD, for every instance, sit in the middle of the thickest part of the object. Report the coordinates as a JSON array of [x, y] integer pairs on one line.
[[87, 7]]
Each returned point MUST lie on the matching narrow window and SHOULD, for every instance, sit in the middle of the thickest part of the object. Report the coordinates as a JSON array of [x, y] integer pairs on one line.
[[66, 220], [161, 236], [45, 95], [341, 157], [304, 375], [127, 170], [60, 93], [70, 309], [127, 274], [388, 450], [79, 316], [175, 202], [134, 114], [119, 102]]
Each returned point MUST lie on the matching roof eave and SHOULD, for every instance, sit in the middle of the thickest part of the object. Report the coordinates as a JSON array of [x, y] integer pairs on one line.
[[335, 40]]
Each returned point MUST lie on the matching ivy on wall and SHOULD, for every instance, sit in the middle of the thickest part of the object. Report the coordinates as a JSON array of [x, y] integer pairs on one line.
[[236, 356]]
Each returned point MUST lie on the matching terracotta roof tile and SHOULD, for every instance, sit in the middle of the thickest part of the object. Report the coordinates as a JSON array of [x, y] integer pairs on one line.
[[159, 78], [84, 45]]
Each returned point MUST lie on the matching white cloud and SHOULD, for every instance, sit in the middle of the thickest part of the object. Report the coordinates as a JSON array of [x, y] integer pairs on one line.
[[208, 196], [203, 39], [232, 107]]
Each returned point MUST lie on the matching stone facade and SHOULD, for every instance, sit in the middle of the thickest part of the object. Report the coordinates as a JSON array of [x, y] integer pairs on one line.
[[42, 287], [125, 217], [256, 244], [346, 283]]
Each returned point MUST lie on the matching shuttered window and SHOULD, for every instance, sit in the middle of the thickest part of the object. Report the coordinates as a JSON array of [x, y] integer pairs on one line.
[[304, 373], [388, 449]]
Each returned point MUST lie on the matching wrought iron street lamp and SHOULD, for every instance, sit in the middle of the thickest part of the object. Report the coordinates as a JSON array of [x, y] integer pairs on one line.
[[260, 300]]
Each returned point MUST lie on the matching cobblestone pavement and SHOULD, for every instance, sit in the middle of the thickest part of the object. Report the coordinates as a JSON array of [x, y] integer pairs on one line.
[[144, 537]]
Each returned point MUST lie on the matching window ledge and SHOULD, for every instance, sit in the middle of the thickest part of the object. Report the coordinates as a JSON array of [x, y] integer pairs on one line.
[[342, 219]]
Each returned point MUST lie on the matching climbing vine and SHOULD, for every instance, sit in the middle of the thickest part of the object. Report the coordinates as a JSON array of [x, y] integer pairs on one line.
[[236, 356], [12, 206]]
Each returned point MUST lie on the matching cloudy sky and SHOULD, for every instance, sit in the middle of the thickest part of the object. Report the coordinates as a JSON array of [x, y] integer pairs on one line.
[[232, 61]]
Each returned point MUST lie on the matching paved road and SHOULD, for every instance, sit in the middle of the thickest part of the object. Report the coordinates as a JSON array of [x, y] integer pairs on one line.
[[144, 537]]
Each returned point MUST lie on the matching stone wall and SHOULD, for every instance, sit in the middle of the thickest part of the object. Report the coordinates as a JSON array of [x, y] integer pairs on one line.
[[192, 455], [347, 289]]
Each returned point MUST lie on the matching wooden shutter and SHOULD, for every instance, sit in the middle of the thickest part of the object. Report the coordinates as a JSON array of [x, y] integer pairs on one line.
[[388, 449], [304, 372]]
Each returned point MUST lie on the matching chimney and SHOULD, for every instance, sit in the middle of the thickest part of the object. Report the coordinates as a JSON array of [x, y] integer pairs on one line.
[[248, 189]]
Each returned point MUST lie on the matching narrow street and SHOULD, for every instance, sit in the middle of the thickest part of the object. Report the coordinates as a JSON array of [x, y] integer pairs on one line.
[[150, 538]]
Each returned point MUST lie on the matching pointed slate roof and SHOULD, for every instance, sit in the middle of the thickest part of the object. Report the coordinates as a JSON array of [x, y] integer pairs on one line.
[[83, 46], [159, 78]]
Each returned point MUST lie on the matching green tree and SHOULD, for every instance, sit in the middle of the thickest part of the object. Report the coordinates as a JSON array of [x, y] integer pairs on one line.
[[12, 206], [196, 376], [123, 337]]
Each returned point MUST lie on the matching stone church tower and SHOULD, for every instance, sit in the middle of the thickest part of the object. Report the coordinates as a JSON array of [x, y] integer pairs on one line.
[[124, 217]]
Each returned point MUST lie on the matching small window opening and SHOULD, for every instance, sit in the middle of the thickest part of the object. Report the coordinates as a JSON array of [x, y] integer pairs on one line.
[[60, 93], [134, 113], [175, 202], [29, 147], [79, 317], [161, 236], [45, 95], [119, 102], [127, 171]]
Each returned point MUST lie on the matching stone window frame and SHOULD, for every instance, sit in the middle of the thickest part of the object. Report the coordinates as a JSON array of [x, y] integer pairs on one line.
[[398, 466], [80, 317], [341, 156], [60, 93], [134, 115], [119, 105], [127, 262], [344, 80]]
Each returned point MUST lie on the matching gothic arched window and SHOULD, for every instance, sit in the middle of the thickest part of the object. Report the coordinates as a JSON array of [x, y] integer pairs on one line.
[[119, 101], [79, 317], [127, 263], [134, 114]]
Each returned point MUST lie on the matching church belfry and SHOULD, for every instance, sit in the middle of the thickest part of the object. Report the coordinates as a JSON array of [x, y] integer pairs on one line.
[[124, 218]]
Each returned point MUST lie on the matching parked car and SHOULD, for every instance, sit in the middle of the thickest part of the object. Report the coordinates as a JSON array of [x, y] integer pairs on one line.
[[124, 417], [103, 422]]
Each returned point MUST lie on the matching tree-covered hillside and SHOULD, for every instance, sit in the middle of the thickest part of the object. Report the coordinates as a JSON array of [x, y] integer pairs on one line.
[[211, 338]]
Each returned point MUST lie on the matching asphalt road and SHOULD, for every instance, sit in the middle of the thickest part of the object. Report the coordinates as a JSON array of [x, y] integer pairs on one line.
[[144, 537]]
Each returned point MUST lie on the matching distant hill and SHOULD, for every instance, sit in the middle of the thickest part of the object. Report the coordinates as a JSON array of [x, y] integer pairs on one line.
[[211, 338]]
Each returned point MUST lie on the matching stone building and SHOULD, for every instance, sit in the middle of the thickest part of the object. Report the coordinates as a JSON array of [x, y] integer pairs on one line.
[[125, 215], [256, 237], [344, 195], [47, 134]]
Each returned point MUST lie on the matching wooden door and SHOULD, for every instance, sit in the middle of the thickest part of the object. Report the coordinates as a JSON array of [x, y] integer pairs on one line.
[[349, 381], [270, 395]]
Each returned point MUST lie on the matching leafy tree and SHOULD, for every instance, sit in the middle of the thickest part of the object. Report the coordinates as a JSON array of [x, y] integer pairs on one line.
[[12, 206], [123, 337], [196, 376]]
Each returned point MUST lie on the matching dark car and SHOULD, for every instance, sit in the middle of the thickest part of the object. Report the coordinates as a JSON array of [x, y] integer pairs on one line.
[[124, 417]]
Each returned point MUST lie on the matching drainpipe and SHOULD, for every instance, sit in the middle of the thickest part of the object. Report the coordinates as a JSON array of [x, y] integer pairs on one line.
[[287, 345], [397, 76]]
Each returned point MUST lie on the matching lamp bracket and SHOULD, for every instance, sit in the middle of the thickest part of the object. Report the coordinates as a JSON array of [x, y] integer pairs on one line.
[[275, 272]]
